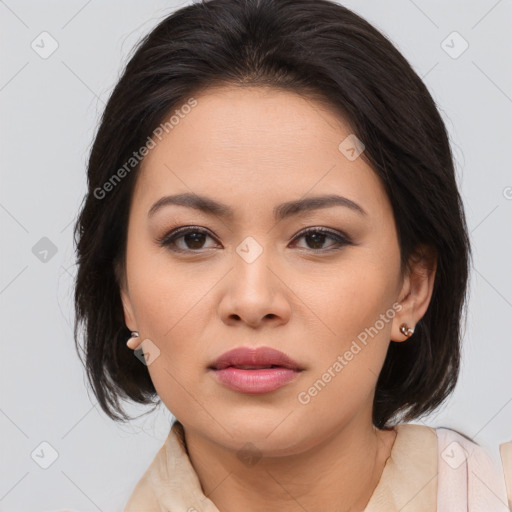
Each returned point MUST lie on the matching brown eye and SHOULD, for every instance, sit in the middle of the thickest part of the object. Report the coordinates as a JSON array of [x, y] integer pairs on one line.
[[193, 239], [316, 238]]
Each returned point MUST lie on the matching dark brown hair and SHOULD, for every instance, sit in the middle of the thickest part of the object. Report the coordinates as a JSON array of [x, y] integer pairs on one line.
[[324, 51]]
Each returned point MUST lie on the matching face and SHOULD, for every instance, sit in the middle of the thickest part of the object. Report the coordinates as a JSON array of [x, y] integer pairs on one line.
[[327, 299]]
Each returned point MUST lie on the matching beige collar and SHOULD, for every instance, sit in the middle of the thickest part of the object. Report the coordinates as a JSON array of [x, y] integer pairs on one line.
[[408, 482]]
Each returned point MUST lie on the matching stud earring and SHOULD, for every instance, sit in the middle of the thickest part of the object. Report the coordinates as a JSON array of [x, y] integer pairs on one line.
[[406, 330], [132, 342]]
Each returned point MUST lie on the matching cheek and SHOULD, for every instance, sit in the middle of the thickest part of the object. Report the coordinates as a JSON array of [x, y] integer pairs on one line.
[[353, 297], [171, 307], [347, 365], [356, 309], [163, 293]]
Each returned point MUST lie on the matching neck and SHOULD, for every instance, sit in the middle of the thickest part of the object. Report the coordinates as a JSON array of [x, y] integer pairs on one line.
[[339, 471]]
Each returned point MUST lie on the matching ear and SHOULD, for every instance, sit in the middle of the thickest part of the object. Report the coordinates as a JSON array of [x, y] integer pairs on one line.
[[416, 290], [129, 316]]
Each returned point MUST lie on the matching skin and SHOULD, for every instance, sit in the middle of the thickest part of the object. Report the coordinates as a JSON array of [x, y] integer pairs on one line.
[[251, 149]]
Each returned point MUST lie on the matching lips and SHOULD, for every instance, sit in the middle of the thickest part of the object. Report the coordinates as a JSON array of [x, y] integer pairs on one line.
[[255, 370], [247, 358]]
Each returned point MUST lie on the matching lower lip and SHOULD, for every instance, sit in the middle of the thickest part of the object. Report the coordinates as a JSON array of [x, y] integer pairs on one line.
[[255, 381]]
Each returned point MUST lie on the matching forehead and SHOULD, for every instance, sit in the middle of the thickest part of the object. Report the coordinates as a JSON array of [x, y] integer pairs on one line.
[[243, 123], [253, 145]]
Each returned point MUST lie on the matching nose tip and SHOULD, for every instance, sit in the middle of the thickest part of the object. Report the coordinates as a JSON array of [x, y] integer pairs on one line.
[[254, 295]]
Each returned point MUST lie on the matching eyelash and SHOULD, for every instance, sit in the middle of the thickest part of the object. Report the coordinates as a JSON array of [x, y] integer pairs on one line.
[[169, 239]]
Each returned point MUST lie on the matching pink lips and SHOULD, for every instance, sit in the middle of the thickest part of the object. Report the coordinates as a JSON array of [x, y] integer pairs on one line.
[[260, 370]]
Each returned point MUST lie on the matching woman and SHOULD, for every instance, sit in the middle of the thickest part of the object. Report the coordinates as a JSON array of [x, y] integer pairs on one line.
[[274, 223]]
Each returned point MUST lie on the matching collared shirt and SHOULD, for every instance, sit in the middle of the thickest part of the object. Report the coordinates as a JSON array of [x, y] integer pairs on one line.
[[408, 483]]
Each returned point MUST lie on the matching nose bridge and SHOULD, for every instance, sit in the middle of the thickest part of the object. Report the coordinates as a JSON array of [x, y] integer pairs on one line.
[[253, 292], [251, 272]]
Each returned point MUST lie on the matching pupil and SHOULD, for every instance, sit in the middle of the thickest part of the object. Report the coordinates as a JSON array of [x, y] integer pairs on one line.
[[315, 236], [194, 240]]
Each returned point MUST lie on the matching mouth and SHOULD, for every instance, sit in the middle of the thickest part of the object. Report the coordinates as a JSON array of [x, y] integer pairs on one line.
[[255, 371]]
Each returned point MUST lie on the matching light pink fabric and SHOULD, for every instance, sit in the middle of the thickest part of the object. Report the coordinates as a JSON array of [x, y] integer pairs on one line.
[[506, 457], [469, 480]]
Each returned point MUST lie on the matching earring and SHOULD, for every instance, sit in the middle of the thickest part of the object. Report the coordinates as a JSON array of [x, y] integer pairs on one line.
[[132, 342], [406, 330]]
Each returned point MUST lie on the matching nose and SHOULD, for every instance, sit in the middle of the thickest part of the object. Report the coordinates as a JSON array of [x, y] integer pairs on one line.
[[255, 293]]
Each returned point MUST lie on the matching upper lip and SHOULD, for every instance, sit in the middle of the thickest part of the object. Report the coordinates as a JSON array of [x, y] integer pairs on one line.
[[261, 356]]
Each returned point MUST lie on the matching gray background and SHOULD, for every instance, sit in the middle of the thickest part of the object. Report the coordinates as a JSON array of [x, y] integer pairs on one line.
[[49, 111]]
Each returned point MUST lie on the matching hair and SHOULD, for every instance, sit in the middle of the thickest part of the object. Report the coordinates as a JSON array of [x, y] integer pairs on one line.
[[324, 51]]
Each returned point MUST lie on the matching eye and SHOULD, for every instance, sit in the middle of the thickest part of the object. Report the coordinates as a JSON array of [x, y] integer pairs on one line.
[[193, 239], [317, 237]]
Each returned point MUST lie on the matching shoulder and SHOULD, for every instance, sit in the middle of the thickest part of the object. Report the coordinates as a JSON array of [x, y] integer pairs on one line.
[[456, 449], [452, 447], [470, 473]]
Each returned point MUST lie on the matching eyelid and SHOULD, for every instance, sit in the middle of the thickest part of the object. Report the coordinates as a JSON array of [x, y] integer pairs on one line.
[[322, 229], [175, 233]]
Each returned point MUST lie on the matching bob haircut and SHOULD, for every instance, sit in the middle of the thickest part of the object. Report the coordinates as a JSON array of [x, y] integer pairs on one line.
[[324, 52]]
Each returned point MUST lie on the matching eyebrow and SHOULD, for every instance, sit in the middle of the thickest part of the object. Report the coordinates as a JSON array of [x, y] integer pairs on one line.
[[280, 211]]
